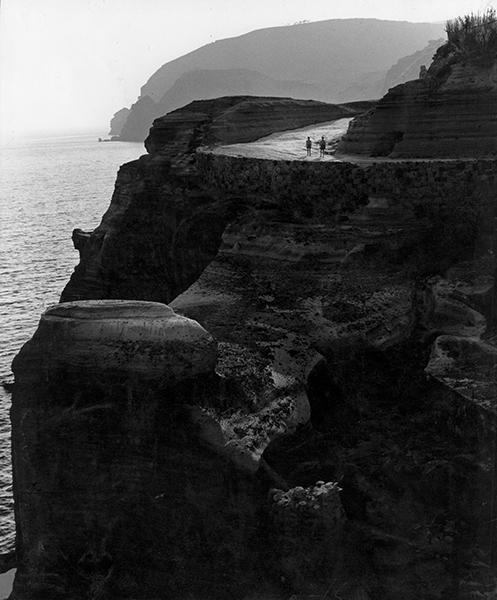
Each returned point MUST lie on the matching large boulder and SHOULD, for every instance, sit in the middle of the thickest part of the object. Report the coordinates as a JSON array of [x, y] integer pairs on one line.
[[115, 494]]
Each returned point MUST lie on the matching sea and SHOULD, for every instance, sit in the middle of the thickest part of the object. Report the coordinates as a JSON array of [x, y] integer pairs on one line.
[[49, 185]]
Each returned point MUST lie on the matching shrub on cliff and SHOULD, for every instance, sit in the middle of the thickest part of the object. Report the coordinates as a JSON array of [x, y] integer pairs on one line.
[[470, 38], [474, 36]]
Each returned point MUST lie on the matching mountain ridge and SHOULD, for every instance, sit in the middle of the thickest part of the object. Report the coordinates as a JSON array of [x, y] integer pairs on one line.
[[327, 55], [281, 65]]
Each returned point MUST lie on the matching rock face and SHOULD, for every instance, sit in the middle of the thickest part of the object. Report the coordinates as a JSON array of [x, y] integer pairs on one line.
[[206, 84], [324, 285], [451, 112], [129, 256], [120, 460], [139, 119]]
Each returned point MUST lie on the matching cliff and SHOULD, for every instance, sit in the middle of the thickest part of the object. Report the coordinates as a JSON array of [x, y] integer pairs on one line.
[[159, 262], [122, 470], [449, 112], [328, 61], [206, 84], [118, 120], [316, 291]]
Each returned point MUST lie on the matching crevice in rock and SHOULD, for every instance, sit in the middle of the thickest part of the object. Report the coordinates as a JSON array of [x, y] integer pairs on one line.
[[414, 468]]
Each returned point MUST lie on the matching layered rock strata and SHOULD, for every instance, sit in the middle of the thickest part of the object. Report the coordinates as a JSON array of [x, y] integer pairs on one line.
[[239, 119], [170, 224], [315, 277], [450, 112], [119, 456]]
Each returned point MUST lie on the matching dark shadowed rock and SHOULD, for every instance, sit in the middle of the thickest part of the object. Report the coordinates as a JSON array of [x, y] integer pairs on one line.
[[324, 285], [115, 481], [450, 112], [131, 455], [79, 239], [133, 254], [139, 120]]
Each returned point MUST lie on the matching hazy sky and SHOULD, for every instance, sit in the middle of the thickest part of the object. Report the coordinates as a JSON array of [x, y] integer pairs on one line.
[[73, 63]]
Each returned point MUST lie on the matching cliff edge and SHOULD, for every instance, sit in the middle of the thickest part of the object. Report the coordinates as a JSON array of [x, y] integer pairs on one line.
[[449, 112], [318, 447]]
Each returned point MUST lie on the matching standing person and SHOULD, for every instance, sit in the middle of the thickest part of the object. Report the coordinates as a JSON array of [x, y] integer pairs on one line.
[[308, 145], [322, 146]]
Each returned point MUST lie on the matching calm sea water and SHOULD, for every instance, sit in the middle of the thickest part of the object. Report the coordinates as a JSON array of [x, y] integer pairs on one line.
[[48, 187]]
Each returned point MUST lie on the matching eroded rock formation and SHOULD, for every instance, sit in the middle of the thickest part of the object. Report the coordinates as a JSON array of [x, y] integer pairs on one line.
[[127, 481], [169, 223], [450, 112], [324, 286]]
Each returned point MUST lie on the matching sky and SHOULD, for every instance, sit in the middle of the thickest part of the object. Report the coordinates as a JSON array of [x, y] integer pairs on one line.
[[71, 64]]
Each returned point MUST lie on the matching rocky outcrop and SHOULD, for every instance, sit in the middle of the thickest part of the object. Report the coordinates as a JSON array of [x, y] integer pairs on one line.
[[139, 120], [206, 84], [131, 256], [125, 462], [239, 119], [450, 112], [324, 286], [79, 239]]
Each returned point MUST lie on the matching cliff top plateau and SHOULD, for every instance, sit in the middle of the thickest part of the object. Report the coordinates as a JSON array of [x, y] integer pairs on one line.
[[449, 111]]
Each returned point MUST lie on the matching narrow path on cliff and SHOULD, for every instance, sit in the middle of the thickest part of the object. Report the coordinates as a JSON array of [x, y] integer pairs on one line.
[[290, 145]]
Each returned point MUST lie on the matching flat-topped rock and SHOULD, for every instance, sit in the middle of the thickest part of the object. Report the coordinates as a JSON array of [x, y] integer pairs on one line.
[[120, 426], [239, 119], [112, 483], [134, 337]]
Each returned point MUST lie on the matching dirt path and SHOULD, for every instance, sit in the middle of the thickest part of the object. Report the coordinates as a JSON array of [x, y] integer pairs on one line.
[[290, 145]]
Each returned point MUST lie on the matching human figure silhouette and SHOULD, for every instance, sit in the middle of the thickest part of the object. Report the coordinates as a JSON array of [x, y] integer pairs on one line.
[[322, 146], [308, 145]]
